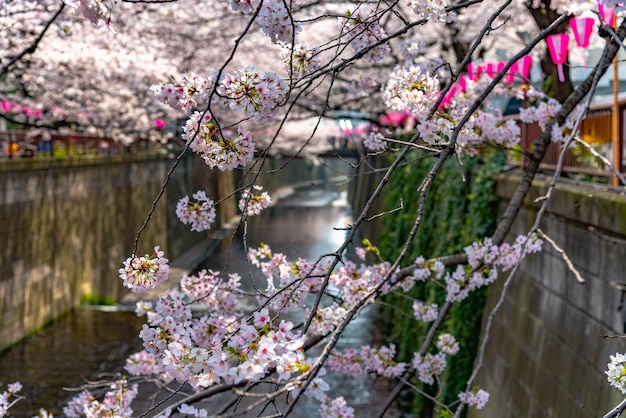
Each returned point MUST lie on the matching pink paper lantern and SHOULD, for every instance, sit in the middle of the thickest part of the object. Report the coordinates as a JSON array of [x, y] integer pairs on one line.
[[525, 64], [159, 123], [462, 83], [510, 76], [473, 71], [490, 69], [396, 118], [558, 51], [606, 13], [447, 99], [500, 66], [582, 28]]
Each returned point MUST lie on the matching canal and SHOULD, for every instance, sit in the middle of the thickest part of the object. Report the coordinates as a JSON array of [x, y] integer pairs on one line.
[[87, 342]]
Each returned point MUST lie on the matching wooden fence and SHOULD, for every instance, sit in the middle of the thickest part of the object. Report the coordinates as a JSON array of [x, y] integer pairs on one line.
[[596, 130]]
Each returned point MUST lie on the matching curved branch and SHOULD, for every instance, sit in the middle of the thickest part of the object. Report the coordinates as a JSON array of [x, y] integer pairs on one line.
[[32, 47]]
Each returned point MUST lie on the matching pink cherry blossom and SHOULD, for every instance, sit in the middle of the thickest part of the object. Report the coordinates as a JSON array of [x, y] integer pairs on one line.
[[200, 214], [252, 203], [145, 272]]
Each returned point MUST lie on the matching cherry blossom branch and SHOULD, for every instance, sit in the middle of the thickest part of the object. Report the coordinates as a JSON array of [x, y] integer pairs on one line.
[[502, 227], [541, 144], [587, 86]]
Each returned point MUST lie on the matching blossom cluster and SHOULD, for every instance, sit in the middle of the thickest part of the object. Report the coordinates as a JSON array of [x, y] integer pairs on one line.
[[216, 149], [199, 213], [253, 203], [300, 60], [184, 92], [367, 360], [477, 398], [212, 290], [447, 344], [413, 90], [425, 312], [486, 261], [375, 141], [116, 402], [145, 272], [335, 408], [493, 128], [430, 9], [439, 129], [362, 26], [9, 397], [275, 21], [258, 94], [543, 109], [288, 283], [429, 366], [355, 282], [316, 388], [224, 344], [218, 346], [616, 373]]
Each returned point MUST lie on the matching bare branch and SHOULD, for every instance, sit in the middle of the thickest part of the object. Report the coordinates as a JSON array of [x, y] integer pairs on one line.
[[564, 255]]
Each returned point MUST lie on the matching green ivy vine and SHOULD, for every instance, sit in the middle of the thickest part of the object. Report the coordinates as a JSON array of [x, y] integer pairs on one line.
[[461, 207]]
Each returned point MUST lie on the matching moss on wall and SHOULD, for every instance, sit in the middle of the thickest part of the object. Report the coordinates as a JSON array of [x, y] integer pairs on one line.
[[67, 225], [457, 213]]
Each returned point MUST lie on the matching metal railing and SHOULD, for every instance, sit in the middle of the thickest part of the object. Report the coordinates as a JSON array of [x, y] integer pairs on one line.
[[40, 143]]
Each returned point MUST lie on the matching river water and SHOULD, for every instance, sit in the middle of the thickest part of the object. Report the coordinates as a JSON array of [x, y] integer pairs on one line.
[[86, 342]]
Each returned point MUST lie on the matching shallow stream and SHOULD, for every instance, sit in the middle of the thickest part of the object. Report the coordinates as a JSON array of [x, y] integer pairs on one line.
[[86, 342]]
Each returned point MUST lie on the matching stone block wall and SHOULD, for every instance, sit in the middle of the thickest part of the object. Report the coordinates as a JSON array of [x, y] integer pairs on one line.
[[546, 356], [67, 225]]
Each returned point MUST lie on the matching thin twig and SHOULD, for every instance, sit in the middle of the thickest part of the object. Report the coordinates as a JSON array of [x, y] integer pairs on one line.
[[564, 255], [33, 46]]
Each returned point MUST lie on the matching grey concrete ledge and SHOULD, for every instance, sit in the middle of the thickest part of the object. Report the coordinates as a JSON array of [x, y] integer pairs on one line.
[[596, 205]]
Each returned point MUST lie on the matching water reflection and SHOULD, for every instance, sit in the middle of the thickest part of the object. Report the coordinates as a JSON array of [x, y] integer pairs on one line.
[[77, 347]]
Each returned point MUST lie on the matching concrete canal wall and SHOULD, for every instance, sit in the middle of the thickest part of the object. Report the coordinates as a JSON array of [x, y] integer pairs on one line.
[[546, 356], [66, 225]]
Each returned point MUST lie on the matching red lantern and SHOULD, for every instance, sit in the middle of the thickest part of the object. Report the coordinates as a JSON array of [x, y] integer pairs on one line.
[[558, 51]]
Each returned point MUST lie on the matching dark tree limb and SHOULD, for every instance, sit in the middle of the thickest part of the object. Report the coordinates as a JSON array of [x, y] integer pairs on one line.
[[33, 46]]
